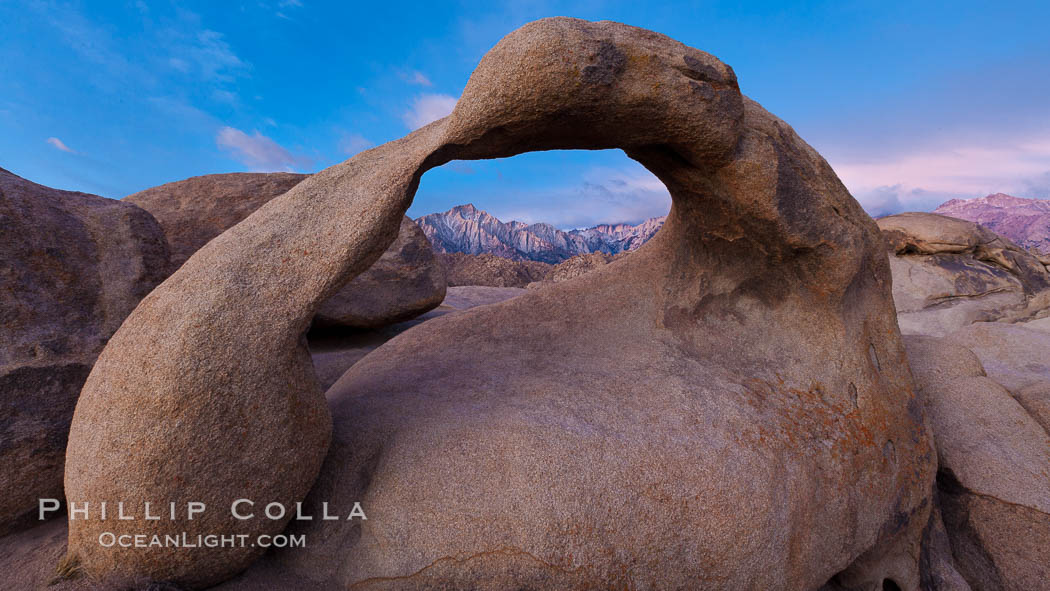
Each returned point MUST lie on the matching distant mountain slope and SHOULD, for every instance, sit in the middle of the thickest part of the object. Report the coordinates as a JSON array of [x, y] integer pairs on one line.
[[465, 228], [1025, 221]]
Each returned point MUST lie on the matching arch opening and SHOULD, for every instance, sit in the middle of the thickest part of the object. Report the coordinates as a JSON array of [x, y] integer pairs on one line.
[[532, 212], [568, 189]]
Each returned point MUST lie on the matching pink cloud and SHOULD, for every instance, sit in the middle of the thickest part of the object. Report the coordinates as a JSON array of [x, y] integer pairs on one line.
[[257, 151], [58, 144]]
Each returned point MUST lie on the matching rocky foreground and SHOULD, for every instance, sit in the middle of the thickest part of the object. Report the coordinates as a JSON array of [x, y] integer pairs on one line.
[[730, 406], [949, 273]]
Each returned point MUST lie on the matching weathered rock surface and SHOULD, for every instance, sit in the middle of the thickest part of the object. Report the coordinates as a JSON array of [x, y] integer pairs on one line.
[[72, 267], [934, 359], [576, 266], [949, 273], [467, 229], [997, 544], [467, 297], [1041, 324], [1016, 356], [937, 565], [1025, 221], [752, 417], [490, 270], [993, 476], [994, 484], [29, 557], [1012, 354], [1035, 398], [496, 271], [405, 282], [335, 351], [1031, 390], [197, 209], [988, 443]]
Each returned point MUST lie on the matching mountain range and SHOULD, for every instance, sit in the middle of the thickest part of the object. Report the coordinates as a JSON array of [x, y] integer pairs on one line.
[[467, 229], [1025, 221]]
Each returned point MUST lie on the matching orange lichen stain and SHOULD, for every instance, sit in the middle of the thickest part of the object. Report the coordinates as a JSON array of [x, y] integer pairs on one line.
[[810, 418], [639, 60]]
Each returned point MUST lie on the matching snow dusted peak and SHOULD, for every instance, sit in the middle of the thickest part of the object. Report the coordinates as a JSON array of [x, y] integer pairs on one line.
[[465, 228]]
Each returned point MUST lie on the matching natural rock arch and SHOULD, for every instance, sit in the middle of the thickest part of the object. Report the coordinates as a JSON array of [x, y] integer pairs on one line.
[[750, 350]]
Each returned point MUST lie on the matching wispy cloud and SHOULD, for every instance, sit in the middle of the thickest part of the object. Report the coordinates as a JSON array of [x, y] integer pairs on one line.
[[110, 70], [283, 7], [952, 134], [179, 64], [224, 96], [206, 54], [415, 77], [921, 179], [60, 145], [352, 143], [1037, 187], [181, 46], [604, 195], [177, 109], [427, 108], [257, 151]]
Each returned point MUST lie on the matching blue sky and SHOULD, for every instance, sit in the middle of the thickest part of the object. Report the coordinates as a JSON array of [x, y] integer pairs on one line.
[[911, 103]]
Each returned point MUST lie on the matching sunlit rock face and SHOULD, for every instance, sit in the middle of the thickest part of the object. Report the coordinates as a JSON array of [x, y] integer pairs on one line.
[[729, 407], [195, 210], [405, 282]]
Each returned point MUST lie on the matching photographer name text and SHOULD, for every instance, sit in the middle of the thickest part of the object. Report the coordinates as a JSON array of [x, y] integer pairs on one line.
[[241, 509]]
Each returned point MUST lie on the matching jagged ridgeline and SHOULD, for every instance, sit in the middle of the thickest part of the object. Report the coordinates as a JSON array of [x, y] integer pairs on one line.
[[470, 230]]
